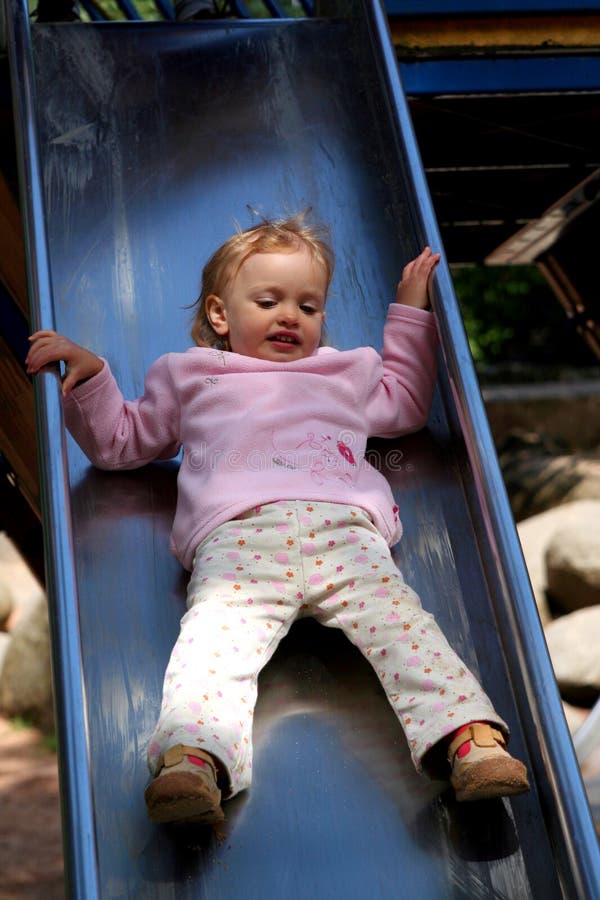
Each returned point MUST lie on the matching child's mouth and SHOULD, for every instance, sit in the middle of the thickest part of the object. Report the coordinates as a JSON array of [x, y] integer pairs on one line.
[[284, 339]]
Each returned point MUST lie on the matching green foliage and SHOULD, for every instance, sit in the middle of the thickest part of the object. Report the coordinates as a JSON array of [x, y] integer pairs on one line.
[[48, 740], [292, 8], [148, 11], [512, 316], [20, 724]]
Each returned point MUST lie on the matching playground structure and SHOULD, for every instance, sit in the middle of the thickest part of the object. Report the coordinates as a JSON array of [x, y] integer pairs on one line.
[[302, 110]]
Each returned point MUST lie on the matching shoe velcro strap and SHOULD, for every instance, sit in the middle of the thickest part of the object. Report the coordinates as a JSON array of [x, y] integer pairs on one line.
[[482, 735], [174, 755]]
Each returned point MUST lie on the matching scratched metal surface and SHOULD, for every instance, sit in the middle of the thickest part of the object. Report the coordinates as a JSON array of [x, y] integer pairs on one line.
[[154, 142]]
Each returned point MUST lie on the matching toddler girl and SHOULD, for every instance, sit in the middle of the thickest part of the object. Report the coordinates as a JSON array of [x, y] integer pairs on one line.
[[279, 515]]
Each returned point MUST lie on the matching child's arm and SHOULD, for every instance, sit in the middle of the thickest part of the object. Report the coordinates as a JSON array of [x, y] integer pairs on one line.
[[48, 346], [401, 397], [112, 432], [413, 288]]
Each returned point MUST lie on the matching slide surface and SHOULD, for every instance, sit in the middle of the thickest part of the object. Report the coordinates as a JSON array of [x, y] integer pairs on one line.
[[147, 143]]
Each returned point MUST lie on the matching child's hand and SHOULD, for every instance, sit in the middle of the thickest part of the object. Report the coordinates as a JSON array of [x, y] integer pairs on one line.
[[413, 287], [48, 346]]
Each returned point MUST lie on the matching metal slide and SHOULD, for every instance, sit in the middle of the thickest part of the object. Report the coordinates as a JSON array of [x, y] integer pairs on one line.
[[142, 146]]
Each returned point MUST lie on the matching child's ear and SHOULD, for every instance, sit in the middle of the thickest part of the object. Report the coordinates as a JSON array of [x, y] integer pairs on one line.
[[216, 314]]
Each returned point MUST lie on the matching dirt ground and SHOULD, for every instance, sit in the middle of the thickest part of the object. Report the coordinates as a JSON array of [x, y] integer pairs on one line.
[[31, 862]]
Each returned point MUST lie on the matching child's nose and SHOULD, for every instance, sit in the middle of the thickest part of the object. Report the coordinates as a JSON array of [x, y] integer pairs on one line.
[[288, 313]]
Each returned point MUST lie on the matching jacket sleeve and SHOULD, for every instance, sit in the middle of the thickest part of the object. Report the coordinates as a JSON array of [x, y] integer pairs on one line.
[[401, 393], [125, 434]]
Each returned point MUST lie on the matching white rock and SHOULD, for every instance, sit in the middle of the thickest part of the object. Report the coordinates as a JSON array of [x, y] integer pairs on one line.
[[17, 579], [573, 562], [25, 678], [4, 642], [6, 604], [573, 642], [536, 482], [575, 716], [536, 533]]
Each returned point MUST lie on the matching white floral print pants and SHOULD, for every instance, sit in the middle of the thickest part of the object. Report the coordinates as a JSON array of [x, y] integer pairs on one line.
[[252, 577]]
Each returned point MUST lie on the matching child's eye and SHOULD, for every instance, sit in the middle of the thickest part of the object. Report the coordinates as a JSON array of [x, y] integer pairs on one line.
[[266, 304], [309, 310]]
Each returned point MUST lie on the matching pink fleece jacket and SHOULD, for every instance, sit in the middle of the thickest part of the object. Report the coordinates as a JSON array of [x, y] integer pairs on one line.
[[255, 431]]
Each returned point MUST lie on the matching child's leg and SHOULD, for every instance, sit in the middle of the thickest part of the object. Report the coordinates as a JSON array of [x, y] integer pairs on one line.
[[429, 687], [239, 611]]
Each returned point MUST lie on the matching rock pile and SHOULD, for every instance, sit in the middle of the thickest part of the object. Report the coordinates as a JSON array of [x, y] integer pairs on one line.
[[555, 498], [540, 473], [25, 680], [561, 547]]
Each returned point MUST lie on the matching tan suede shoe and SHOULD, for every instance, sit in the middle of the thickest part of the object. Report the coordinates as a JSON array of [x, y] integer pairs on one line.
[[482, 769], [185, 789]]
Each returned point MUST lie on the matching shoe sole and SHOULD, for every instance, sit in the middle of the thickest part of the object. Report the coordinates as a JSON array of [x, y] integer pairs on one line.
[[185, 811], [491, 779], [173, 798]]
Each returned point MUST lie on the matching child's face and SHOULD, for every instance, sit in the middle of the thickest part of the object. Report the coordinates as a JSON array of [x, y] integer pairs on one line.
[[274, 307]]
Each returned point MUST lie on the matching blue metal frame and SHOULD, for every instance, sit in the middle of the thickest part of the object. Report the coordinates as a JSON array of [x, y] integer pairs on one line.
[[78, 820], [271, 6], [129, 10], [501, 75], [165, 8], [91, 11], [399, 8], [486, 7], [275, 9]]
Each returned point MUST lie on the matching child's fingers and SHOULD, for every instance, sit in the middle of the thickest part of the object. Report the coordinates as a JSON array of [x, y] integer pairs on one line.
[[32, 359], [68, 383], [422, 265], [47, 339], [428, 263], [423, 255], [36, 351], [427, 258], [40, 334], [413, 288], [424, 258], [408, 269], [43, 339], [42, 352], [38, 361]]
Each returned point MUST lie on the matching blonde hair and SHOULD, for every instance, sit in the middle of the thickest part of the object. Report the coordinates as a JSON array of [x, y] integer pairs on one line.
[[270, 236]]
